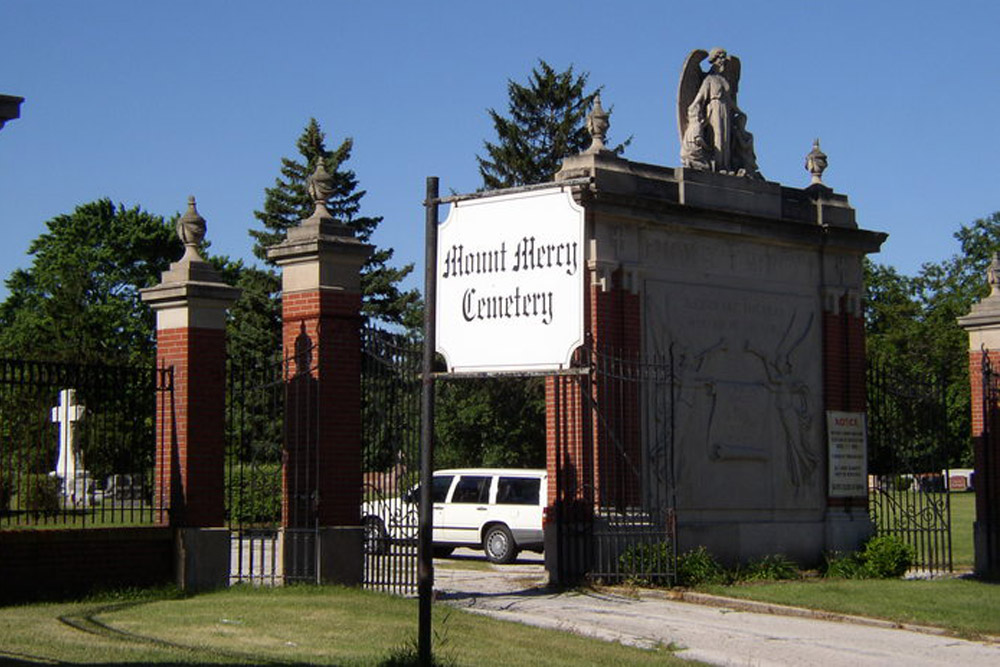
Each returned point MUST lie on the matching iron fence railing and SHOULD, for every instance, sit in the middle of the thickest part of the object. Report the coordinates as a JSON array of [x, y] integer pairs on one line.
[[909, 449], [77, 444]]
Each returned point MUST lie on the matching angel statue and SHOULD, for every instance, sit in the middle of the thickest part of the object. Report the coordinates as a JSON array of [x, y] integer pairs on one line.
[[712, 127]]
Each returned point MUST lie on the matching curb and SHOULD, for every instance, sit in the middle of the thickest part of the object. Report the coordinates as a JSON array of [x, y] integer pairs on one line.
[[738, 604]]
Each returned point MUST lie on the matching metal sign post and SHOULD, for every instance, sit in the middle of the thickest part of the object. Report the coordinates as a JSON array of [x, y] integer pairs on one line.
[[425, 555]]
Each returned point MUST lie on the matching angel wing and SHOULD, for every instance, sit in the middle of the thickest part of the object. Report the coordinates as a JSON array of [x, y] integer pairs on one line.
[[732, 74], [691, 76]]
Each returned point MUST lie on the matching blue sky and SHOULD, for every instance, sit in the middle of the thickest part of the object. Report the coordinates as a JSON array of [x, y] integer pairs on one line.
[[148, 102]]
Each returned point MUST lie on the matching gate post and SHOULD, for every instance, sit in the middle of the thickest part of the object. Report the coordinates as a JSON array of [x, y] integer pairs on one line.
[[983, 325], [190, 304], [321, 264]]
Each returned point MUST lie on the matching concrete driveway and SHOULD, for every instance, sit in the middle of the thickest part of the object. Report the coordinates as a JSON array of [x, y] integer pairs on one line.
[[733, 635]]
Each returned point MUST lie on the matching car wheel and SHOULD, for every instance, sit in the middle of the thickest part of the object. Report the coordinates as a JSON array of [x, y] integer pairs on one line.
[[499, 545], [376, 537]]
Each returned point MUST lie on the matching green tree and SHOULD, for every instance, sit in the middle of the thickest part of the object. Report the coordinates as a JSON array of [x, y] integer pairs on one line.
[[501, 422], [546, 123], [497, 422], [911, 322], [79, 300], [288, 202]]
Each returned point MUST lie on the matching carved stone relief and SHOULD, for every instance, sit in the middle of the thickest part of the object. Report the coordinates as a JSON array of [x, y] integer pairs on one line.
[[748, 408]]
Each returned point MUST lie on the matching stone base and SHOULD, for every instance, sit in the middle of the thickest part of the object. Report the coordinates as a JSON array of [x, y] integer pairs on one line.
[[202, 558], [985, 567], [847, 530], [805, 542], [341, 555]]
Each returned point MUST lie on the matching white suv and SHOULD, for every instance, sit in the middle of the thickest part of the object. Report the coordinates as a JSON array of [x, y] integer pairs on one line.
[[497, 510]]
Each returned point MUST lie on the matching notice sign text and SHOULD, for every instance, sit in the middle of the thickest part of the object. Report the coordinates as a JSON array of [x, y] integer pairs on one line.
[[510, 282], [846, 435]]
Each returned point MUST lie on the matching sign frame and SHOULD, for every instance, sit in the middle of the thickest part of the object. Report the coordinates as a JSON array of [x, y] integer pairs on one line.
[[511, 272]]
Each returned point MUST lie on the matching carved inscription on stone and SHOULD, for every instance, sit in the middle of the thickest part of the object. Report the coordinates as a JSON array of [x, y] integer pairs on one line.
[[748, 403], [668, 256]]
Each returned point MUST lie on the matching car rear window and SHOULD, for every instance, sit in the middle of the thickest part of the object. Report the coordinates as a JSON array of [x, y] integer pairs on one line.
[[518, 490], [471, 489]]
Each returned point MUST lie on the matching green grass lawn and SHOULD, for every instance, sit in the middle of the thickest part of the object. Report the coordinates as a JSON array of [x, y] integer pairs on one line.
[[963, 514], [291, 625], [964, 606]]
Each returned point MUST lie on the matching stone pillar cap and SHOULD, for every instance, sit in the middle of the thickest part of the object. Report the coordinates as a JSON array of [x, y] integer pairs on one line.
[[190, 278]]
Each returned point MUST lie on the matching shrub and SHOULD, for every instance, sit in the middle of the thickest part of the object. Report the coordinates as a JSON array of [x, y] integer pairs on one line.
[[887, 557], [883, 557], [39, 492], [843, 565], [698, 566], [6, 491], [647, 562], [769, 568], [254, 494]]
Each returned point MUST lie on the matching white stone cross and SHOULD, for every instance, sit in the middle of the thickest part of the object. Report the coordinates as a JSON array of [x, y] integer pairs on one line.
[[66, 414]]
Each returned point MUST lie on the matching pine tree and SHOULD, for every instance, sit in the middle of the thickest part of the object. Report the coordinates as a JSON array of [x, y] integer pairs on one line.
[[288, 203], [546, 124]]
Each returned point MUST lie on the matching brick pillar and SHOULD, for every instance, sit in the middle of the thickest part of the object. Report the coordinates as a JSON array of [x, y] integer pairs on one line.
[[190, 304], [983, 326], [321, 309], [585, 467], [844, 381]]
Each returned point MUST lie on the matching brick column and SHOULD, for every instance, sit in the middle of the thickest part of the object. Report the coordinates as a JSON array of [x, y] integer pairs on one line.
[[585, 468], [321, 309], [190, 304], [983, 326]]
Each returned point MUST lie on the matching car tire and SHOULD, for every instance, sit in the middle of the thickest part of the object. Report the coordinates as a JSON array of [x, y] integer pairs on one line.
[[376, 537], [499, 544]]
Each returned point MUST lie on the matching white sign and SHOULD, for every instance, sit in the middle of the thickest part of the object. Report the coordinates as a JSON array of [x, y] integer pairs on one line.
[[846, 436], [510, 277]]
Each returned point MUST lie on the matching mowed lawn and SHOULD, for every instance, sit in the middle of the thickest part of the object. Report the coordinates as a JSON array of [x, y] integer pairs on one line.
[[290, 625], [964, 606], [963, 514]]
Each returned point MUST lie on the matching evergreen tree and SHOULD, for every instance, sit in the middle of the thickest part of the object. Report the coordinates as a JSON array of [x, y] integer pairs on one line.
[[501, 421], [288, 203], [546, 124]]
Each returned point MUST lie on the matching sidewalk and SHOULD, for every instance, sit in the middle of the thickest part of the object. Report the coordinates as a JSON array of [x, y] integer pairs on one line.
[[714, 630]]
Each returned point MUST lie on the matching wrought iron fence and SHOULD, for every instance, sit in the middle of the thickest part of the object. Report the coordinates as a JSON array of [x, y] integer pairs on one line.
[[909, 448], [616, 507], [77, 444], [987, 521], [390, 408]]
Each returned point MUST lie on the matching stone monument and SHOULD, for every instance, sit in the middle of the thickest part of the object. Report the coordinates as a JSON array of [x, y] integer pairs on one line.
[[76, 485], [753, 290]]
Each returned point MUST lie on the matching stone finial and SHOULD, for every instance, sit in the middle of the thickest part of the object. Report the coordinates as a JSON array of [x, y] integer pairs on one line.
[[816, 163], [320, 189], [597, 125], [191, 230]]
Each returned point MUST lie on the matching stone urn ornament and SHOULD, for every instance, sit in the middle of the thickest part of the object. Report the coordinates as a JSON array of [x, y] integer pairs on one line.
[[191, 228]]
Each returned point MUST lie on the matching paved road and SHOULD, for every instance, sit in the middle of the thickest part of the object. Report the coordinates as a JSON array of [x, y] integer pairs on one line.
[[715, 635]]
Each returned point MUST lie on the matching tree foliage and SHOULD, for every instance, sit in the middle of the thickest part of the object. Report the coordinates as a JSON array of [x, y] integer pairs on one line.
[[911, 322], [79, 300], [546, 123], [288, 202], [501, 422], [496, 422]]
